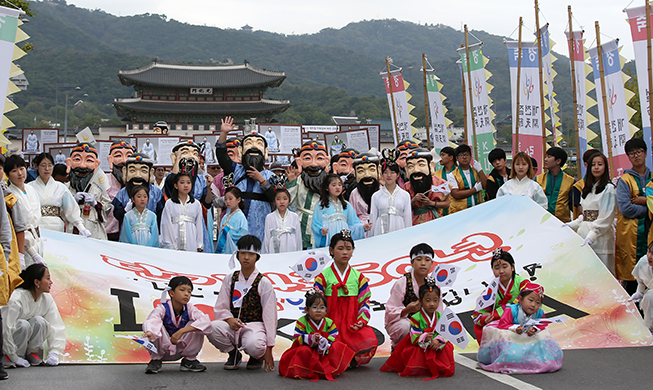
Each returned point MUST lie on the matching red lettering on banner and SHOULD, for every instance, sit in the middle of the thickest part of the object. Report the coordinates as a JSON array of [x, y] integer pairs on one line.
[[476, 247], [155, 274], [284, 283]]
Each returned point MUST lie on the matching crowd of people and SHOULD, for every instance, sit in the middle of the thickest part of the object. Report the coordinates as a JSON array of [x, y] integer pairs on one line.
[[230, 202]]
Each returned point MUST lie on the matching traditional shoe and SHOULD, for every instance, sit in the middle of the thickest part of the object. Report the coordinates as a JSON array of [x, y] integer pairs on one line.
[[34, 359], [191, 365], [254, 364], [153, 367], [235, 357]]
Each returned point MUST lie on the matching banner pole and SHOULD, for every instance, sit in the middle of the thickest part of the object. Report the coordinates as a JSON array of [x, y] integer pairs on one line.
[[515, 147], [462, 76], [426, 104], [539, 54], [469, 89], [572, 54], [648, 61], [606, 117], [392, 100]]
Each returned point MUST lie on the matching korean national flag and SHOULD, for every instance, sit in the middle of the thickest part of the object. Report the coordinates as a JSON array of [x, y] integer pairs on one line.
[[445, 274], [310, 265], [489, 296], [240, 290], [451, 328]]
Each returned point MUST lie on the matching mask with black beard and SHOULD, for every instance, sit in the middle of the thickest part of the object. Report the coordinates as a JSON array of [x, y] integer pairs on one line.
[[253, 158], [313, 178], [78, 182], [116, 171], [366, 188], [420, 183]]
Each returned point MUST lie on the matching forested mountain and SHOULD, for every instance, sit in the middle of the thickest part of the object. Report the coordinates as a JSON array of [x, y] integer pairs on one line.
[[332, 72]]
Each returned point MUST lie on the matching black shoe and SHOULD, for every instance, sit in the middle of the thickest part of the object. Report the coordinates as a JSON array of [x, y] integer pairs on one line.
[[254, 364], [3, 373], [191, 365], [153, 367], [235, 357], [353, 363]]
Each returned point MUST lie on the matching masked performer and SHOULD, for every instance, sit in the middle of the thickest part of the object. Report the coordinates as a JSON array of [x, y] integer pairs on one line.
[[429, 194], [366, 167], [118, 154]]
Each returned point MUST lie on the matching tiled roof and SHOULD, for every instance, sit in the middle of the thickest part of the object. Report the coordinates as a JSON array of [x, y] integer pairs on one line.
[[218, 108], [217, 76]]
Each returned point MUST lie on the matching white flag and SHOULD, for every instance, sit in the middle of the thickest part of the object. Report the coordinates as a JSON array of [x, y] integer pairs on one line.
[[443, 188], [310, 265], [489, 296], [86, 136], [240, 290], [451, 328], [445, 274], [144, 341], [546, 321]]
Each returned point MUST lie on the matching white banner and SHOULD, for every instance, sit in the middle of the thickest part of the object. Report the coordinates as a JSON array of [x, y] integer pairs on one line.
[[616, 99], [548, 78], [401, 109], [439, 135], [578, 56]]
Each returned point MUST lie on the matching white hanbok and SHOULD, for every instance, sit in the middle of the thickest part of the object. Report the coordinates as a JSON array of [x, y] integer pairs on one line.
[[58, 206], [31, 204], [32, 144], [209, 153], [150, 151], [525, 187], [273, 144], [390, 211], [643, 273], [181, 226], [282, 234], [60, 159], [596, 222]]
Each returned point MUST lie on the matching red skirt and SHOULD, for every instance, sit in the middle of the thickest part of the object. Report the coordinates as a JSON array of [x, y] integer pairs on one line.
[[411, 360], [304, 362], [344, 312]]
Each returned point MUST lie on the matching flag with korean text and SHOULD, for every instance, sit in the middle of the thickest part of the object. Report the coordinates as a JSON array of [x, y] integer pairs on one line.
[[578, 55], [310, 264], [439, 134], [445, 274], [240, 290], [451, 328], [489, 296], [401, 109]]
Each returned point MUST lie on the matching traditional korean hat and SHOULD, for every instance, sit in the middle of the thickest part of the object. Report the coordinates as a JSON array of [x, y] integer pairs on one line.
[[84, 147], [536, 288], [120, 145], [139, 158], [312, 145], [186, 143]]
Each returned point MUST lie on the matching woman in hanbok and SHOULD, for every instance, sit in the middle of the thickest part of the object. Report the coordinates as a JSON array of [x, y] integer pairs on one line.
[[58, 207], [391, 208], [283, 232], [520, 344], [139, 226], [233, 225], [16, 171], [334, 214], [31, 320], [599, 204], [182, 221], [521, 181]]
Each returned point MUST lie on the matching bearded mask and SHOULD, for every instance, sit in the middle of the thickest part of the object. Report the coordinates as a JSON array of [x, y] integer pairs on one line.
[[82, 163], [366, 168], [313, 159], [418, 169], [253, 158], [184, 149], [118, 154], [254, 151], [403, 148], [137, 171]]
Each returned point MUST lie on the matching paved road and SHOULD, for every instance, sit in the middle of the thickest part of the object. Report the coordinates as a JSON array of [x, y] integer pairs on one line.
[[617, 368]]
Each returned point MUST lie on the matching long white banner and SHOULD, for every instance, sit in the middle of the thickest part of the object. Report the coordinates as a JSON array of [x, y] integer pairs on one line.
[[439, 135], [578, 55], [401, 110]]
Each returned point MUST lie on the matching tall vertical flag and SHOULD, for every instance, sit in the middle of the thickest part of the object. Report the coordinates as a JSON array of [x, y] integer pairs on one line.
[[530, 117], [616, 102], [401, 107], [439, 124], [637, 21], [8, 52], [480, 104], [549, 74]]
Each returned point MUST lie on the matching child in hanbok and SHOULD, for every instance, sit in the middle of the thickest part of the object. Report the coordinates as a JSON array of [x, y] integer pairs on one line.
[[510, 285], [233, 225], [139, 226], [391, 208], [334, 214], [517, 346], [176, 328], [599, 204], [283, 232], [521, 181], [404, 295], [246, 311], [315, 352], [348, 299], [424, 352], [182, 221]]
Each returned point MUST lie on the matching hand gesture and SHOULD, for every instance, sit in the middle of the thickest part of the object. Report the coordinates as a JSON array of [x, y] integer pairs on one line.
[[367, 227], [253, 173], [227, 124], [235, 323]]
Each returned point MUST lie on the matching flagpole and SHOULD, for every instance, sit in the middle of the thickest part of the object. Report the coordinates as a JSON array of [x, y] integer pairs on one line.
[[648, 60], [462, 74], [392, 100], [469, 89], [539, 54], [516, 146], [572, 54], [426, 103], [606, 117]]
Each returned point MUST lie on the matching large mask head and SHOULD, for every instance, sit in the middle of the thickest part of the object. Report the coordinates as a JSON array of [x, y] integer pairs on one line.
[[160, 127], [313, 159], [138, 170], [344, 162], [366, 168], [82, 163], [403, 148], [418, 169], [118, 154], [182, 152], [233, 150], [254, 151]]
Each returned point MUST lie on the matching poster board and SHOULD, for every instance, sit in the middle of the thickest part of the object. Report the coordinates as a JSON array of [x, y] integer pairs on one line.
[[374, 132], [103, 148], [281, 138], [34, 139], [158, 147], [358, 139]]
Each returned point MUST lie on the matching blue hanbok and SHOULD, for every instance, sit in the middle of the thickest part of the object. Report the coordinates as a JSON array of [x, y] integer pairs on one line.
[[232, 227], [335, 218], [140, 229]]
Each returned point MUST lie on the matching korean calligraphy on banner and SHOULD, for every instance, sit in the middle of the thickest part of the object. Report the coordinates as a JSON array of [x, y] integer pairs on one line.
[[401, 107]]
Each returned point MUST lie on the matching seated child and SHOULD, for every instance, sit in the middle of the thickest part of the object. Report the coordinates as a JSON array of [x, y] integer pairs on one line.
[[248, 323], [424, 352], [139, 226], [515, 347], [315, 352], [176, 328]]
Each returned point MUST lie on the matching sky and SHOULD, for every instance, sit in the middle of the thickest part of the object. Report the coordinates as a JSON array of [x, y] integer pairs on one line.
[[499, 17]]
